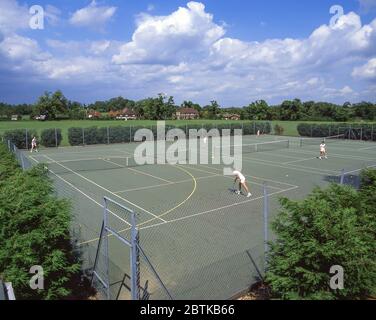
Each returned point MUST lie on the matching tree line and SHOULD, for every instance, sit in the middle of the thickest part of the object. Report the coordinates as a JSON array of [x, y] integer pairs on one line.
[[57, 106]]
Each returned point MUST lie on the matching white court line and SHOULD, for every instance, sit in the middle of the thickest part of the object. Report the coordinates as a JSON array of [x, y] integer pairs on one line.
[[368, 148], [138, 171], [258, 178], [337, 155], [347, 172], [301, 160], [214, 210], [221, 175], [166, 184], [83, 193], [103, 188], [273, 164]]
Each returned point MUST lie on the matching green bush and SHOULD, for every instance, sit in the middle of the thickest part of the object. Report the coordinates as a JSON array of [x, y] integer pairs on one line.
[[331, 227], [75, 136], [278, 130], [351, 131], [35, 230], [20, 137], [51, 137]]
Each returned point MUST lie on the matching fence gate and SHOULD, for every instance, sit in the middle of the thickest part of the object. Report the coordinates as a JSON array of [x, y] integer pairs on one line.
[[119, 225]]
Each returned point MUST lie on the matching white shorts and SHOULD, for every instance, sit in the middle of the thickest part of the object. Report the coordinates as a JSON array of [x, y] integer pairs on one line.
[[242, 180]]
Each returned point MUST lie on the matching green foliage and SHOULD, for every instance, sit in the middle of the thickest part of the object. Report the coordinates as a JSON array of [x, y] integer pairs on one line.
[[34, 228], [278, 130], [355, 131], [119, 134], [51, 137], [21, 137], [51, 104], [331, 227]]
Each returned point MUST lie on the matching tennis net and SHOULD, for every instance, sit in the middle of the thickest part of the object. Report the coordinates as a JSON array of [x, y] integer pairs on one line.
[[318, 141], [102, 163], [256, 147]]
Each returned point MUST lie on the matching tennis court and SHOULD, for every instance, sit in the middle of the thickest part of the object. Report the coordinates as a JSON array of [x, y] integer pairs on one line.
[[204, 241]]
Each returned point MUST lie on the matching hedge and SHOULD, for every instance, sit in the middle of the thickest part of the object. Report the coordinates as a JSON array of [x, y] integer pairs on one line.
[[21, 137], [119, 134], [355, 131], [35, 230], [51, 138]]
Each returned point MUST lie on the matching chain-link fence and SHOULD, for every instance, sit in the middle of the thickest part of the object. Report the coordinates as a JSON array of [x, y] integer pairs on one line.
[[78, 136]]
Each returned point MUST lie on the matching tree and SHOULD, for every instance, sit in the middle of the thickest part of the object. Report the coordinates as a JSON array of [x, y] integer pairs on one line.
[[258, 110], [52, 104], [211, 111], [330, 227]]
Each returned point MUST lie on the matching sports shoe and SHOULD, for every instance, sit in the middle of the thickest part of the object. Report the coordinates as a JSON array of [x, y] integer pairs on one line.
[[249, 195]]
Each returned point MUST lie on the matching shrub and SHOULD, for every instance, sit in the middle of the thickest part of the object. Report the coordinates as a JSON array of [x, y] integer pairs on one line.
[[51, 137], [35, 230], [330, 227], [352, 131], [75, 136], [278, 130]]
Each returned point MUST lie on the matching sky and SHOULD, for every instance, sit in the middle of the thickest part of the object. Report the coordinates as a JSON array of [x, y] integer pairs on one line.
[[231, 51]]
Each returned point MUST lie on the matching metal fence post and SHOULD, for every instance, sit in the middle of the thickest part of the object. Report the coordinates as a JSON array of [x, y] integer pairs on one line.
[[108, 135], [342, 181], [26, 140], [83, 136], [135, 261], [130, 134], [106, 252], [266, 213], [56, 143]]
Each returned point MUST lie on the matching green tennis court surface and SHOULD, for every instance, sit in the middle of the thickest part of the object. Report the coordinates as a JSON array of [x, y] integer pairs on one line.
[[204, 241]]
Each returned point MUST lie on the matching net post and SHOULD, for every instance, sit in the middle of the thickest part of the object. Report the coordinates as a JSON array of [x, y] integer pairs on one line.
[[266, 213], [108, 135], [9, 145], [83, 136], [135, 260], [342, 181], [130, 134]]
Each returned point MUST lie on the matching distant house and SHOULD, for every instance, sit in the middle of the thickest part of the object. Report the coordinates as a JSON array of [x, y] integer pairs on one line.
[[229, 116], [187, 114], [15, 117], [94, 115], [125, 114]]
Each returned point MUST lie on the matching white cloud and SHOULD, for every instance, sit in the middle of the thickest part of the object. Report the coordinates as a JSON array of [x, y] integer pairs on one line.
[[52, 15], [367, 71], [183, 35], [13, 16], [92, 16], [187, 54]]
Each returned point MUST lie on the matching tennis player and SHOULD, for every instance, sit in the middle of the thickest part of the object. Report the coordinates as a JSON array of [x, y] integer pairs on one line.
[[323, 152], [242, 183], [34, 145]]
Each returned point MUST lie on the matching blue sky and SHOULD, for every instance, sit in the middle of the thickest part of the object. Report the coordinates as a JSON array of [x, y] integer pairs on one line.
[[234, 51]]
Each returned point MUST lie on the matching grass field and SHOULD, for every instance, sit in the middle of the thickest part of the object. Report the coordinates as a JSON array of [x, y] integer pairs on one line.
[[290, 127]]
